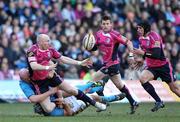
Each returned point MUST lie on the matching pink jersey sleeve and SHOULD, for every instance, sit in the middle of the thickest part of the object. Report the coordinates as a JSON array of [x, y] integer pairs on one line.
[[155, 40], [55, 53], [118, 37], [31, 54], [96, 35]]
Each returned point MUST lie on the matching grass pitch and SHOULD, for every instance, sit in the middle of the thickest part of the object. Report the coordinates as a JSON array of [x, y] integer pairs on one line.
[[115, 113]]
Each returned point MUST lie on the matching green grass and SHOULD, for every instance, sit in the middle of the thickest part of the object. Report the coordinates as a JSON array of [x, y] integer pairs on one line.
[[114, 113]]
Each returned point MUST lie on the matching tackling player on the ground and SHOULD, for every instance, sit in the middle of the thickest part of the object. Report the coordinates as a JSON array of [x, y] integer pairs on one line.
[[62, 107], [157, 64]]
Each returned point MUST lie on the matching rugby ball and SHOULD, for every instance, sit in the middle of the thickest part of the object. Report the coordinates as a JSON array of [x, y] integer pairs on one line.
[[89, 41]]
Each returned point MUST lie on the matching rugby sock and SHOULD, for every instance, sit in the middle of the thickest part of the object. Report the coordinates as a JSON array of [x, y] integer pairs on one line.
[[85, 98], [150, 89], [128, 95], [103, 81], [100, 91], [109, 98]]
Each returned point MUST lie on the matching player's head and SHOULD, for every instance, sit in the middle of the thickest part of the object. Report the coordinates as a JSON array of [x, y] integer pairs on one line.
[[143, 28], [24, 75], [43, 41], [106, 23]]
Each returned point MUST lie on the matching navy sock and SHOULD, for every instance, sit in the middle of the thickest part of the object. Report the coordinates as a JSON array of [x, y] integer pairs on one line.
[[85, 98], [128, 95], [100, 92], [150, 89]]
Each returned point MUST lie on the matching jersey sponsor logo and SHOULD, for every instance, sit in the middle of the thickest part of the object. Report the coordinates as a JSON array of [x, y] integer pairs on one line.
[[148, 43], [49, 54], [30, 54], [157, 44], [107, 40], [106, 70]]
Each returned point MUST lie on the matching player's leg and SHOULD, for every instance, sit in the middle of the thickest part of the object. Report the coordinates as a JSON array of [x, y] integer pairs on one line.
[[47, 105], [103, 81], [110, 98], [174, 88], [85, 87], [98, 76], [80, 95], [167, 75], [116, 79], [145, 77]]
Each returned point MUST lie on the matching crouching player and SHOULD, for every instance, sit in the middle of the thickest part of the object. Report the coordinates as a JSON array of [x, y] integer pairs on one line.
[[53, 106]]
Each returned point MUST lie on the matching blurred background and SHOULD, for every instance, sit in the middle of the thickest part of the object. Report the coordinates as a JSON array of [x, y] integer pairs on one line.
[[66, 22]]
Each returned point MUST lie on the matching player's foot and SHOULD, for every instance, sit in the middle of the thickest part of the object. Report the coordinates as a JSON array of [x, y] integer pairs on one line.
[[134, 107], [100, 107], [157, 106], [120, 96]]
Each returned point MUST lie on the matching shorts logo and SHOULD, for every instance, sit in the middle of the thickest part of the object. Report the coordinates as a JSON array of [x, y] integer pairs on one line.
[[106, 70]]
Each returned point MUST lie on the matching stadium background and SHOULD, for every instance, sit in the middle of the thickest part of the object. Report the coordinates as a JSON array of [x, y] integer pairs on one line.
[[66, 22]]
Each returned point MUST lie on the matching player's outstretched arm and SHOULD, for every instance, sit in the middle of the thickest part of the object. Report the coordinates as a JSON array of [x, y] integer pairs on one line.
[[36, 66], [41, 97], [68, 60]]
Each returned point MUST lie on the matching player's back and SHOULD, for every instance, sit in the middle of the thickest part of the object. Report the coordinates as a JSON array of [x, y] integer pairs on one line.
[[153, 40]]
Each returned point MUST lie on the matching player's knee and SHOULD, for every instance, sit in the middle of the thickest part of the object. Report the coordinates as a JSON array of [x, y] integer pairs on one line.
[[143, 79], [73, 91], [69, 113], [48, 109]]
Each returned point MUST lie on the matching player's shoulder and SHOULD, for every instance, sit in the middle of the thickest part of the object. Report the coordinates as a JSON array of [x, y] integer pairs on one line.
[[32, 48], [115, 32], [99, 32], [154, 35], [25, 85]]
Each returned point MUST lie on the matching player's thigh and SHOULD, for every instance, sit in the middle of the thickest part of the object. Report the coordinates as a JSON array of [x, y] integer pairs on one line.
[[98, 76], [146, 76], [68, 88], [47, 105], [116, 79]]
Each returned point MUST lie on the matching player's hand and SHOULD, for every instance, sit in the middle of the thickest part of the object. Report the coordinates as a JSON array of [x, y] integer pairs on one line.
[[53, 90], [87, 62], [131, 61], [51, 73], [139, 62], [53, 66], [138, 51], [59, 102], [138, 65]]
